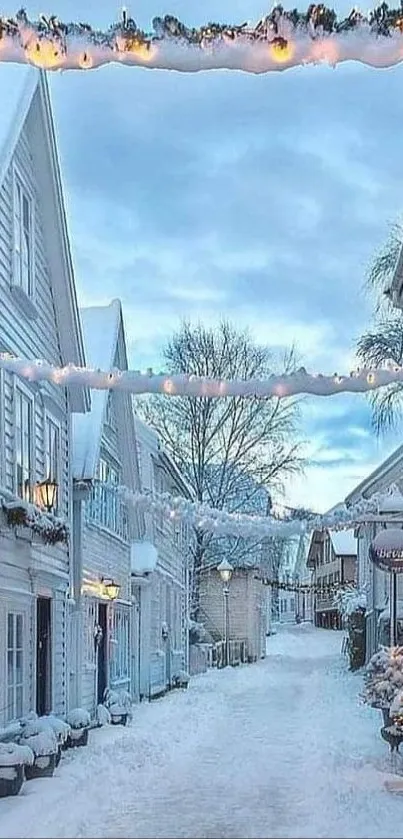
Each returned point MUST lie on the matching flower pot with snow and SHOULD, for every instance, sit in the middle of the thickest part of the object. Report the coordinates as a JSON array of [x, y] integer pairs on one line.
[[61, 729], [13, 759], [181, 680], [79, 721], [119, 705], [42, 740]]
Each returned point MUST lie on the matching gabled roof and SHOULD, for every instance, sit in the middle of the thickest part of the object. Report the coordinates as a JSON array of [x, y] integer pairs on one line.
[[388, 472], [21, 88], [101, 326]]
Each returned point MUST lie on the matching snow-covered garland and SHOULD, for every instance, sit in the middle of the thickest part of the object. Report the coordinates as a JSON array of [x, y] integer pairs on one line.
[[20, 513], [133, 381], [279, 40], [223, 523], [339, 590]]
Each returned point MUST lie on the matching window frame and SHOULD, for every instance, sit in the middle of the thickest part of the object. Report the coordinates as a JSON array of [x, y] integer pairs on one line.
[[15, 708], [120, 657], [21, 391], [20, 188]]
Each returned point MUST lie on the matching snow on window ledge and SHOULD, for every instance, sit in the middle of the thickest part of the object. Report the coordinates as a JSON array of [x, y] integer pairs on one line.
[[24, 301]]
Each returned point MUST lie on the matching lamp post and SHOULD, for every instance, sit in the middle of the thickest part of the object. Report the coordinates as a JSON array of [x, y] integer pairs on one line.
[[386, 550], [225, 570]]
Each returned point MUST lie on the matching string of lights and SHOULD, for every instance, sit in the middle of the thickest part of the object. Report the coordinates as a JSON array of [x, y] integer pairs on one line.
[[223, 523], [300, 382], [306, 588], [277, 41]]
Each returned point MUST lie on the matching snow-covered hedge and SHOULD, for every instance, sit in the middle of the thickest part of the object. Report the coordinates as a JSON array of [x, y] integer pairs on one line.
[[383, 677], [78, 718], [349, 599], [40, 737], [60, 728]]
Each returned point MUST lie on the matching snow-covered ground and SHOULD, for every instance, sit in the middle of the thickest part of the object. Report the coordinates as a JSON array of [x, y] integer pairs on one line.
[[280, 748]]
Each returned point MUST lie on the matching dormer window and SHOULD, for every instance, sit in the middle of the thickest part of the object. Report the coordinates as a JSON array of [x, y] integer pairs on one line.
[[23, 244]]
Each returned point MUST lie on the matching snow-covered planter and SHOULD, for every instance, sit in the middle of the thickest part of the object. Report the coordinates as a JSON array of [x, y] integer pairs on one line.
[[383, 679], [119, 705], [180, 679], [13, 759], [61, 729], [79, 721], [103, 715], [42, 740], [20, 513]]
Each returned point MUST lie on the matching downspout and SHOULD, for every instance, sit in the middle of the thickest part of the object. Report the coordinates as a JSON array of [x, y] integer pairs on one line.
[[81, 491]]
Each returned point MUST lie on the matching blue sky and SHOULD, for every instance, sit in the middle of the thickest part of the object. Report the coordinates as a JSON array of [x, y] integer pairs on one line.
[[261, 198]]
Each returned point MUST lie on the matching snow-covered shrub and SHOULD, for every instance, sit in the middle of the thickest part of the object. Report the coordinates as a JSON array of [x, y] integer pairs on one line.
[[197, 631], [78, 718], [118, 702], [181, 679], [383, 677], [349, 599], [103, 715], [43, 742], [60, 728], [13, 754]]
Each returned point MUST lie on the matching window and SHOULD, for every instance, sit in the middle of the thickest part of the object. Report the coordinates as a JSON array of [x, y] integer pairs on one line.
[[120, 648], [106, 506], [109, 415], [23, 239], [292, 604], [23, 445], [15, 683]]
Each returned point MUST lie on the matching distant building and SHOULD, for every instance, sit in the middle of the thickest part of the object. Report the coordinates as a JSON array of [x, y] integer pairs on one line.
[[332, 557]]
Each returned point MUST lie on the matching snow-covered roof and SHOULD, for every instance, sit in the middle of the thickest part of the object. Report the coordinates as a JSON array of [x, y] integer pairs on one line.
[[344, 542], [18, 83], [100, 326]]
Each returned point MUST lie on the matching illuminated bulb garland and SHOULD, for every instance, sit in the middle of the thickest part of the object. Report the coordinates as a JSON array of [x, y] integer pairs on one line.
[[222, 523], [292, 384], [279, 40]]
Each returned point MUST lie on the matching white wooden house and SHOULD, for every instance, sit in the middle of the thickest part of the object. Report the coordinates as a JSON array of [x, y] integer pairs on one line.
[[105, 455], [160, 576], [38, 319], [247, 604]]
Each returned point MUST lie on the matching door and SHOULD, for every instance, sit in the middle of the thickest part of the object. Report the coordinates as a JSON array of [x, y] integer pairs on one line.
[[102, 652], [43, 655]]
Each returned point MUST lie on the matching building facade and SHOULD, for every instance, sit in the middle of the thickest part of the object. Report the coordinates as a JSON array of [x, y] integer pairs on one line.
[[105, 526], [332, 558], [160, 575], [38, 319]]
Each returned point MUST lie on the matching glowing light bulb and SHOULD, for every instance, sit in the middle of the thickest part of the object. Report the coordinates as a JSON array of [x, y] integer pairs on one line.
[[43, 53], [371, 378], [168, 387], [85, 61], [281, 50]]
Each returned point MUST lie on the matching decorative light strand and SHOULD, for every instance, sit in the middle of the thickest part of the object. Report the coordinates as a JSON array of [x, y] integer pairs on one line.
[[223, 523], [279, 40], [133, 381]]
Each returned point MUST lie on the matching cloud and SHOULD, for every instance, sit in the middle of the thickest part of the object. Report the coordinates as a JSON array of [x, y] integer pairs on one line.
[[260, 198]]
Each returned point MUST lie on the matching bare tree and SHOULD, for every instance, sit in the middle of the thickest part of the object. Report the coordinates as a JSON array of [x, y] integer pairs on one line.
[[383, 342], [232, 451]]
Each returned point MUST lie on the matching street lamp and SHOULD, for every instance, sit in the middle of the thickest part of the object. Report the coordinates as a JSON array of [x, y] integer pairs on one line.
[[111, 589], [386, 550], [225, 570], [47, 491]]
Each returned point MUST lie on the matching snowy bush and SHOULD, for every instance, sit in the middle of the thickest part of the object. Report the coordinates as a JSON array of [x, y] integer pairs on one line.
[[349, 599], [78, 718], [118, 702], [60, 728], [383, 677], [12, 754], [181, 679], [43, 743], [197, 631]]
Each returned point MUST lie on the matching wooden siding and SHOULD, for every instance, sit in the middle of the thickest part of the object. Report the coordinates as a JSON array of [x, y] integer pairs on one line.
[[29, 568], [247, 609]]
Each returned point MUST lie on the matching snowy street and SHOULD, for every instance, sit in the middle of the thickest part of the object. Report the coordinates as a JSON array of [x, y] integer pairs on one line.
[[280, 748]]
